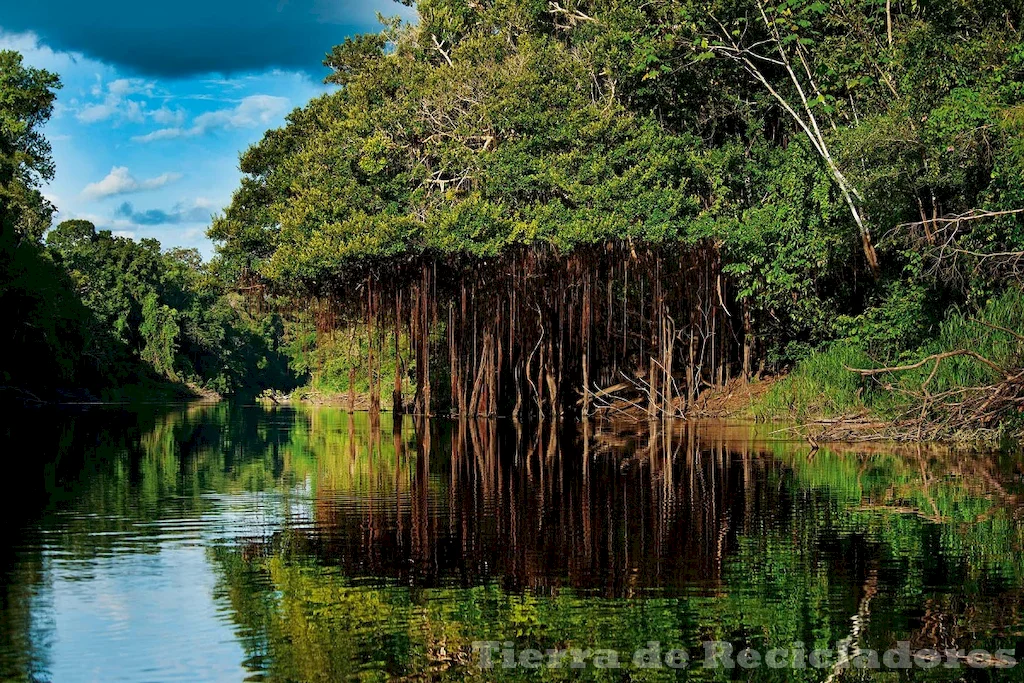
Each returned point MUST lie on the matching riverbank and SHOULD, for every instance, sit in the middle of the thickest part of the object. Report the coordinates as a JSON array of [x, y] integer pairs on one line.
[[145, 391], [834, 417]]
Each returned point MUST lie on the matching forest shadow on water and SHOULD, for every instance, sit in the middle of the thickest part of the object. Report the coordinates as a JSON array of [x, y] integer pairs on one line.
[[231, 542]]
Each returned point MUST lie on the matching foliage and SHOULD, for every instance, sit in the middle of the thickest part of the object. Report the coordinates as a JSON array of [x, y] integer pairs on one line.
[[823, 384], [505, 146], [491, 125], [324, 360], [165, 309], [45, 336], [42, 338], [26, 102]]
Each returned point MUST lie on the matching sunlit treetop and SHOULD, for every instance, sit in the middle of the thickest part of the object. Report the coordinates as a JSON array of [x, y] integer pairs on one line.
[[489, 125]]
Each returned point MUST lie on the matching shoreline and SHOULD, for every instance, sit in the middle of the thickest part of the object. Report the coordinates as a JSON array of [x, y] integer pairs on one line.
[[739, 400]]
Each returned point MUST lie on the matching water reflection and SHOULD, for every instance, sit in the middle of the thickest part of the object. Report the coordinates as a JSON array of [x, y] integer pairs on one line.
[[480, 501], [285, 544]]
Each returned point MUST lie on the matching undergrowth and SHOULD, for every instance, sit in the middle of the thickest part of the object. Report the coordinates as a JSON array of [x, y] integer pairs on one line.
[[823, 386]]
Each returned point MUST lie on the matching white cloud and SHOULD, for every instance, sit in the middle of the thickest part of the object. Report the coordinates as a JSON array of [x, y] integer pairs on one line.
[[162, 134], [39, 55], [222, 83], [120, 181], [168, 117], [117, 101], [95, 112], [135, 111], [122, 87], [252, 111]]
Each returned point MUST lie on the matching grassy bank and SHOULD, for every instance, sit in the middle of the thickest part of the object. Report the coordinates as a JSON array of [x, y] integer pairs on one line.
[[967, 378]]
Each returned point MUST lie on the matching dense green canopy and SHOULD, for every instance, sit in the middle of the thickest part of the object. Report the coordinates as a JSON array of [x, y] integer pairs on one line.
[[166, 309], [781, 131], [511, 143]]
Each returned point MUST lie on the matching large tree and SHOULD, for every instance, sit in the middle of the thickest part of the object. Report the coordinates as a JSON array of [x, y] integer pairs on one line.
[[26, 102], [42, 333]]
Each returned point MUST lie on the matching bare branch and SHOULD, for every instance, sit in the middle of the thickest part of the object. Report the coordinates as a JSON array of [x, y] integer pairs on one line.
[[937, 357], [573, 16], [439, 46]]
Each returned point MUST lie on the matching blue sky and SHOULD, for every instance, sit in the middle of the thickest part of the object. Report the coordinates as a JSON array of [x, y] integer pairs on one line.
[[159, 99]]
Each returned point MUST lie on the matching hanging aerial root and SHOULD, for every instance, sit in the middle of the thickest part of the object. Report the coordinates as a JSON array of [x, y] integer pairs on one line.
[[538, 332]]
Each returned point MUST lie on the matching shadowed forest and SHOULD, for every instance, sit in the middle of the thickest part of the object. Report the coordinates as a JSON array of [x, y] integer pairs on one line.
[[527, 208]]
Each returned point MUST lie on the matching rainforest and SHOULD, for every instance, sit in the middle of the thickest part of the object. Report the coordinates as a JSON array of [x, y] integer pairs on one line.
[[542, 340], [559, 209]]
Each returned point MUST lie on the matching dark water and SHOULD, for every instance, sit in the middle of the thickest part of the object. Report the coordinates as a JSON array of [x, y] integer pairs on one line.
[[230, 543]]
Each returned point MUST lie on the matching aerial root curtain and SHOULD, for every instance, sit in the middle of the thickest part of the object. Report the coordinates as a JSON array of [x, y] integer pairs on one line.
[[535, 331]]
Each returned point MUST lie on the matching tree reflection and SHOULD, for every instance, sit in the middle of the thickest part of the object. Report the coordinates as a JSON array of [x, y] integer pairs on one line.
[[385, 549]]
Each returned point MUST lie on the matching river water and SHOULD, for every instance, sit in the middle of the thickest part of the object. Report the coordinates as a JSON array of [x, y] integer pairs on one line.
[[228, 543]]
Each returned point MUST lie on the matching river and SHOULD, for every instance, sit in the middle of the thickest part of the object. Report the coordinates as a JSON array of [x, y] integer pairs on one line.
[[228, 542]]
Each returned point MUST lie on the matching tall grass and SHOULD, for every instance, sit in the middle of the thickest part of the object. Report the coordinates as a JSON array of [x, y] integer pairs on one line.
[[822, 386], [819, 385]]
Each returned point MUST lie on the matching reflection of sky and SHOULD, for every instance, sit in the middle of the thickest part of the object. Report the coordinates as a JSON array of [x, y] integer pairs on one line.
[[143, 617], [145, 609]]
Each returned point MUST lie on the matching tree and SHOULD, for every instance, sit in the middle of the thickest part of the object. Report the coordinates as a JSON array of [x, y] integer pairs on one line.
[[41, 337], [780, 45], [26, 102]]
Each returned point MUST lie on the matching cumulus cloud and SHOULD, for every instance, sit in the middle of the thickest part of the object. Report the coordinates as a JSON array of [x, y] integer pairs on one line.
[[162, 134], [95, 112], [252, 111], [166, 116], [122, 87], [116, 101], [199, 211], [119, 181]]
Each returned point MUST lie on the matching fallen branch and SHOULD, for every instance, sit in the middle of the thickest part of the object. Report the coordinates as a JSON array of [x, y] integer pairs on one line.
[[599, 393], [978, 410], [937, 357], [993, 326]]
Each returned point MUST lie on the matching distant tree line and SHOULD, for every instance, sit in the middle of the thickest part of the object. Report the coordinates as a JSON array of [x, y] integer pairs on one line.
[[90, 314]]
